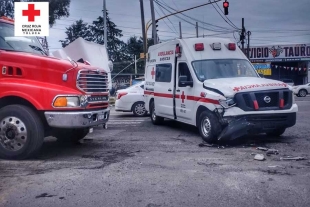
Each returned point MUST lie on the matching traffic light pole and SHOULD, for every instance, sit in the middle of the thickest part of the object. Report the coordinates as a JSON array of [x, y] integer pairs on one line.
[[143, 29], [242, 37], [248, 48]]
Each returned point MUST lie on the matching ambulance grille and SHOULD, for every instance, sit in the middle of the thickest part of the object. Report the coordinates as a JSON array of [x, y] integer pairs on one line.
[[245, 100], [92, 81]]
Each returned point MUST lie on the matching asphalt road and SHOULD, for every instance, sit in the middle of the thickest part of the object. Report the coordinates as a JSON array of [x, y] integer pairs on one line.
[[134, 163]]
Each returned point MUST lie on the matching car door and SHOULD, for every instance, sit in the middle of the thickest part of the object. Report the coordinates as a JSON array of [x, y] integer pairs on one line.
[[163, 90], [185, 100], [308, 87]]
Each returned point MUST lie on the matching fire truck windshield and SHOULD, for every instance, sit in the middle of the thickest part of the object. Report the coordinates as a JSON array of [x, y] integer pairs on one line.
[[10, 42], [223, 68]]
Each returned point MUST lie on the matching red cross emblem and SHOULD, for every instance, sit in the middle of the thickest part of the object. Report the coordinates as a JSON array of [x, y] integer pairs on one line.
[[182, 96], [153, 73], [31, 13], [236, 89]]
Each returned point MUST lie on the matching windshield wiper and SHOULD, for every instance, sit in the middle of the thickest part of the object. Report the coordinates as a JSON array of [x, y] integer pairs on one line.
[[38, 49]]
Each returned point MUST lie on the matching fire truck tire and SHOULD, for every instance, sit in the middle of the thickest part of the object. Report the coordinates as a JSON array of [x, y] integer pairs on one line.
[[209, 126], [71, 135], [276, 132], [156, 120], [21, 132]]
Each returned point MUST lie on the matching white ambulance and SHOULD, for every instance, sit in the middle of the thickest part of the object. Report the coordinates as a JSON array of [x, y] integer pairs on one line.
[[209, 83]]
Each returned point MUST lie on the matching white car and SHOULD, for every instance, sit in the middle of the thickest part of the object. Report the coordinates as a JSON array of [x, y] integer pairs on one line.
[[131, 99], [302, 90]]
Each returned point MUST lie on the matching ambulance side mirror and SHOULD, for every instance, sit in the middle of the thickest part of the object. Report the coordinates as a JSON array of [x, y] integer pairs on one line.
[[183, 82]]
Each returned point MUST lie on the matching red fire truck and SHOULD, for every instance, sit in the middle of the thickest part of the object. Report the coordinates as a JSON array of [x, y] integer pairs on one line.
[[42, 96]]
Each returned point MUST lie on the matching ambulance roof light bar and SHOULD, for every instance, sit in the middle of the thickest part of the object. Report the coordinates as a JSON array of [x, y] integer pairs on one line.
[[216, 46], [199, 47], [178, 52]]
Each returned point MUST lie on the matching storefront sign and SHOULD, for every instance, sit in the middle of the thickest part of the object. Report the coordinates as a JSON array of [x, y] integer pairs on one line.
[[280, 53], [263, 68]]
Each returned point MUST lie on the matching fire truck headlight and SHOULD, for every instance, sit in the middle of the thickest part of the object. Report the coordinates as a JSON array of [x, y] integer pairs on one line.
[[66, 101], [229, 102]]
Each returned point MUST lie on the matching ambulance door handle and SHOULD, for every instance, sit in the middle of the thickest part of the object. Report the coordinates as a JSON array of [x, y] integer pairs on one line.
[[178, 90], [169, 89]]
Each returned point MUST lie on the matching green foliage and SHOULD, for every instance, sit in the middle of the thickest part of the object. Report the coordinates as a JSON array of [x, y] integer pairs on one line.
[[57, 8]]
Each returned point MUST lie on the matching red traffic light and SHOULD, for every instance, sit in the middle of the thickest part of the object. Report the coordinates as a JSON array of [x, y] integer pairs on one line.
[[225, 4]]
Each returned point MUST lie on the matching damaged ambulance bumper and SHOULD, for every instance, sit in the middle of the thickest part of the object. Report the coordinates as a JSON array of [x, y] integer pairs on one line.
[[245, 124]]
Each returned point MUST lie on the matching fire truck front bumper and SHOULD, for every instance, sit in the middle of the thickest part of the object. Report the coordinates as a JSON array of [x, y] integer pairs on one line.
[[77, 119]]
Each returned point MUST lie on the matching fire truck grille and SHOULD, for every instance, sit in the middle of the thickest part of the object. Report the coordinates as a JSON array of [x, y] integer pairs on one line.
[[92, 81]]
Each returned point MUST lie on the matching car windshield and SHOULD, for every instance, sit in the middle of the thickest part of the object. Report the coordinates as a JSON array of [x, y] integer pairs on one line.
[[223, 68], [19, 44]]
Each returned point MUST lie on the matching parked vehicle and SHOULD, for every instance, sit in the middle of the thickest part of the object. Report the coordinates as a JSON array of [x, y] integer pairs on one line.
[[209, 83], [43, 96], [131, 99], [302, 90]]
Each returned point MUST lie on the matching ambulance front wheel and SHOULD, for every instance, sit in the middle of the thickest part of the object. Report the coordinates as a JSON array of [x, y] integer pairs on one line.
[[156, 120], [209, 126]]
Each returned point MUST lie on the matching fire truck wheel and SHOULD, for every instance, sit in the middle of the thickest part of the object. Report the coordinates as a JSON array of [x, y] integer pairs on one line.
[[209, 126], [71, 135], [276, 132], [21, 132], [138, 109], [156, 120]]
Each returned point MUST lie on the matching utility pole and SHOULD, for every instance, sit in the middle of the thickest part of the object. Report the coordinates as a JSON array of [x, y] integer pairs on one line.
[[105, 24], [242, 36], [180, 26], [143, 30], [136, 66], [248, 49], [197, 29], [153, 22]]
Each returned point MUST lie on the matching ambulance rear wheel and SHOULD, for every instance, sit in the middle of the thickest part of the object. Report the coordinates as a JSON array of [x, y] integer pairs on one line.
[[156, 120], [209, 126]]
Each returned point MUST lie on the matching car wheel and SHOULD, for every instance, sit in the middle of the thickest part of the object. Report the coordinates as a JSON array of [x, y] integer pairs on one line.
[[209, 126], [21, 132], [302, 93], [138, 109], [277, 132], [156, 120]]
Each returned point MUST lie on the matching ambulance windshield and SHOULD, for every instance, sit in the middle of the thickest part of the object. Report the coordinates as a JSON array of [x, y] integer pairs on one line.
[[223, 68]]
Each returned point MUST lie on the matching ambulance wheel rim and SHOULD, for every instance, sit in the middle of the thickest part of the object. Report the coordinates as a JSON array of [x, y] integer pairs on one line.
[[153, 113], [206, 126], [13, 133], [140, 109]]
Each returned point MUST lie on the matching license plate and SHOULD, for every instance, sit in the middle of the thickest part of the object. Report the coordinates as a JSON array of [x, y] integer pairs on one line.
[[100, 117]]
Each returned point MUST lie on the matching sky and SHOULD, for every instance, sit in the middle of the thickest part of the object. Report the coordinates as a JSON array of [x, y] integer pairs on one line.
[[271, 22]]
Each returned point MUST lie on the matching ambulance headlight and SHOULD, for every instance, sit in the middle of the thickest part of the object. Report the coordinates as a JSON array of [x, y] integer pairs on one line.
[[229, 102]]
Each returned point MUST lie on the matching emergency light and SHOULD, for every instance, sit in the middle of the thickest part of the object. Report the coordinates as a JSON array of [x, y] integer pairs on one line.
[[178, 51], [199, 47], [232, 46], [216, 46]]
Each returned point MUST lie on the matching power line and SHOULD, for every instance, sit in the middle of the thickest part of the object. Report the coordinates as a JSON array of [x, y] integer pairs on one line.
[[165, 22], [227, 17], [161, 4], [169, 21]]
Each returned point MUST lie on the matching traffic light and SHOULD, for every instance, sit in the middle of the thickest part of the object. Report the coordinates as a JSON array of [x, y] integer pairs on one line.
[[225, 6], [156, 25]]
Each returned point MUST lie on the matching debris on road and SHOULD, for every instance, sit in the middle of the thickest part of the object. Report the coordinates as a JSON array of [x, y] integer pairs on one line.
[[262, 148], [259, 157], [275, 166], [292, 158], [205, 145], [272, 152]]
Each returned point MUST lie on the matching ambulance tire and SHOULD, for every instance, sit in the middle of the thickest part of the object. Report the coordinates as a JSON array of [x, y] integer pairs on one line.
[[209, 126], [156, 120]]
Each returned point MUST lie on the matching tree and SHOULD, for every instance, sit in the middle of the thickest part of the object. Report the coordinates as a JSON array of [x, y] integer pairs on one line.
[[95, 33], [76, 30], [57, 8]]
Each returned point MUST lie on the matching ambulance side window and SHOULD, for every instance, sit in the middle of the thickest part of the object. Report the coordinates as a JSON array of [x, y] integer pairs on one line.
[[163, 73], [184, 71]]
